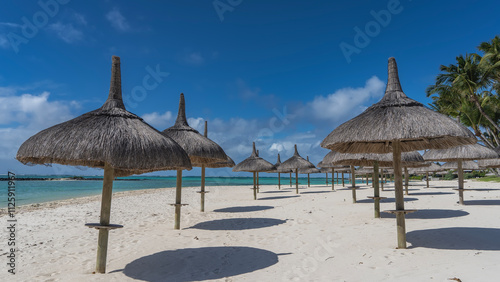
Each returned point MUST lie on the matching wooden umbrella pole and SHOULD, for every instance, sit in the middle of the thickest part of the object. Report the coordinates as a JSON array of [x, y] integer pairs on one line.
[[290, 179], [382, 180], [254, 186], [202, 207], [353, 184], [427, 178], [296, 180], [326, 178], [376, 192], [460, 182], [102, 242], [398, 188], [279, 180], [343, 183], [407, 180], [308, 181], [258, 185], [333, 186], [178, 193]]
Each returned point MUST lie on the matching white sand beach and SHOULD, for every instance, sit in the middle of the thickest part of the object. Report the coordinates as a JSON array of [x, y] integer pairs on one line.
[[317, 236]]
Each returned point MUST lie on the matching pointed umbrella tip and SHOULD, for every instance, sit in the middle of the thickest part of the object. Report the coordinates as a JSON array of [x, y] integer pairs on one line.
[[115, 89], [296, 152], [181, 115], [393, 83]]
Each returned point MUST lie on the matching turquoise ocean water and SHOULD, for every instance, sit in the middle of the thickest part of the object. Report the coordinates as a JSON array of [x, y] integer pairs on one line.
[[39, 191]]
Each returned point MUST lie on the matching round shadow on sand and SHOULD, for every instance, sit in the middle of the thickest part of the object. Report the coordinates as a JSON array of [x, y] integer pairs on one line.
[[429, 214], [245, 209], [278, 197], [237, 223], [456, 238], [430, 193], [388, 200], [199, 264], [316, 192]]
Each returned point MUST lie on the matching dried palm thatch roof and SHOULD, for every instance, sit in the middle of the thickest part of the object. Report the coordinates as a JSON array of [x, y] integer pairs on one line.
[[397, 117], [254, 163], [432, 168], [467, 152], [408, 159], [228, 163], [296, 162], [466, 165], [109, 135], [490, 163], [276, 166], [309, 170], [199, 148]]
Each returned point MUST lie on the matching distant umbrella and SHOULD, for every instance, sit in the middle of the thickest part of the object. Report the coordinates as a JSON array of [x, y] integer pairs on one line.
[[295, 163], [309, 171], [460, 154], [327, 165], [397, 124], [466, 165], [111, 138], [276, 165], [426, 169], [200, 149], [254, 164], [220, 164]]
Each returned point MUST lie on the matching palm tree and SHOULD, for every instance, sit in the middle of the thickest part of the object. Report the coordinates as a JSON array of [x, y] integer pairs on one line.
[[491, 59], [467, 79]]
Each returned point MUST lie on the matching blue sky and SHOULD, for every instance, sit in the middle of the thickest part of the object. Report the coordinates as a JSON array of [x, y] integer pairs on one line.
[[273, 72]]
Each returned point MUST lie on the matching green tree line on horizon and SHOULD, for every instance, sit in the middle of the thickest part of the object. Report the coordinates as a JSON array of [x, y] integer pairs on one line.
[[469, 91]]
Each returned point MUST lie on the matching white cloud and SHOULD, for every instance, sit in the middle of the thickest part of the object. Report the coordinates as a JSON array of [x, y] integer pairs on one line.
[[158, 120], [194, 58], [66, 32], [21, 116], [117, 20], [345, 102]]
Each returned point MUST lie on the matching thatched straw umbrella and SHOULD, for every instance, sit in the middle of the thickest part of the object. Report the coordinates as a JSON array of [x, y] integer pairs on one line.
[[227, 163], [466, 165], [432, 168], [200, 149], [326, 164], [460, 154], [309, 171], [277, 165], [397, 124], [254, 164], [490, 163], [296, 162], [111, 138], [325, 170]]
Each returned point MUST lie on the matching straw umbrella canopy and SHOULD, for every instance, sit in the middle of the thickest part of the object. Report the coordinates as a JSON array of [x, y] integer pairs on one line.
[[397, 124], [461, 154], [275, 170], [111, 138], [309, 171], [491, 163], [466, 165], [200, 149], [296, 162], [254, 164]]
